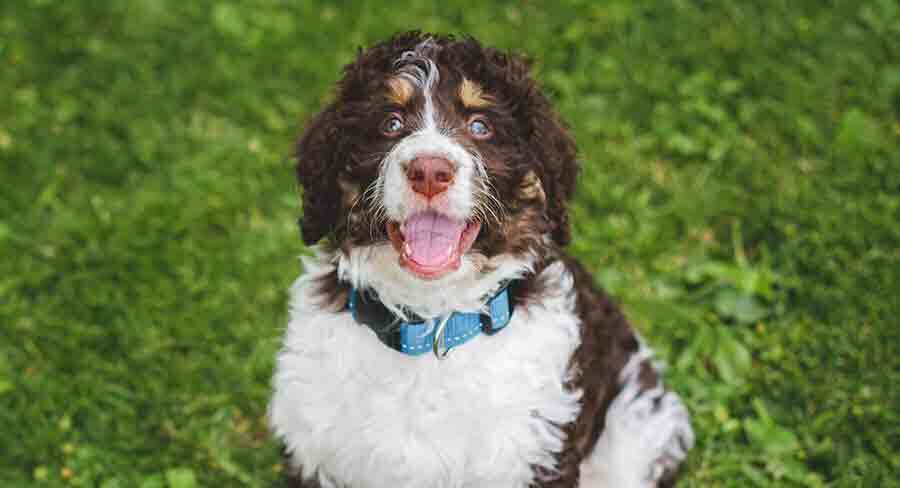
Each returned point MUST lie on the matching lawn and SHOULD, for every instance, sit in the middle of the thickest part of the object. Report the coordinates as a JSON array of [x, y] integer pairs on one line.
[[740, 195]]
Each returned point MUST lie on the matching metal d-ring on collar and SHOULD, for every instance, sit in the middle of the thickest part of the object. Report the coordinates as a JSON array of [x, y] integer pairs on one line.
[[416, 335], [439, 343]]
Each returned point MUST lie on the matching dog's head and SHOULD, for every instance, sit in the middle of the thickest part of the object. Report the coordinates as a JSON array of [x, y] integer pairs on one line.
[[441, 147]]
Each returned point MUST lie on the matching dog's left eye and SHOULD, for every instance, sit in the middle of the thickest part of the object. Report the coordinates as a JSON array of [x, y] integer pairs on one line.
[[479, 127], [392, 125]]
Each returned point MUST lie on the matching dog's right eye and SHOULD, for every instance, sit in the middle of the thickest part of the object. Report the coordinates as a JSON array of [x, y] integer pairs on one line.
[[393, 125]]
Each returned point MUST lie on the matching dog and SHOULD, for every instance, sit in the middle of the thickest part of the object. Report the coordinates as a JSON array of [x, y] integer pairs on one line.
[[440, 336]]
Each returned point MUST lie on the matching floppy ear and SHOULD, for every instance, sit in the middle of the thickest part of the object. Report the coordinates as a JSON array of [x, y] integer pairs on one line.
[[324, 150], [552, 148], [318, 163], [556, 152]]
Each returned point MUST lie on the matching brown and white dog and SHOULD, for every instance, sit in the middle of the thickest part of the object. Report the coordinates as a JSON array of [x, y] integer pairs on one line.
[[434, 183]]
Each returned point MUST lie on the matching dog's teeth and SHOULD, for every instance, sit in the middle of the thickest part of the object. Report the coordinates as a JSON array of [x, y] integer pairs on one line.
[[407, 250]]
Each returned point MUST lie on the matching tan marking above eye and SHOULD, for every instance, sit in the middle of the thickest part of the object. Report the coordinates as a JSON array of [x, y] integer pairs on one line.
[[473, 96], [400, 91]]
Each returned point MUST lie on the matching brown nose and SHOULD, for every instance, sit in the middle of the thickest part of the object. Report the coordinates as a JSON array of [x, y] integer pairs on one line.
[[429, 175]]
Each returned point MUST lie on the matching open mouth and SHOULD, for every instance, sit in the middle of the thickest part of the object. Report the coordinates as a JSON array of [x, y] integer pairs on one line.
[[432, 244]]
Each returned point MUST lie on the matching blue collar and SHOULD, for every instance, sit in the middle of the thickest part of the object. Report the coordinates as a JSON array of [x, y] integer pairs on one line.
[[418, 336]]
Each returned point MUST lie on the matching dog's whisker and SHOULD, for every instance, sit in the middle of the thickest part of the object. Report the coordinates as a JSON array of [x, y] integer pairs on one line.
[[488, 203]]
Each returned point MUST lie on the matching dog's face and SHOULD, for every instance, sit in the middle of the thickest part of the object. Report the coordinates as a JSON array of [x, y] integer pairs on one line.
[[443, 148]]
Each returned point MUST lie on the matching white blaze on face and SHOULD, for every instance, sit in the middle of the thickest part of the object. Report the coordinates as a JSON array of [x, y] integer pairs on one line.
[[427, 85], [424, 74]]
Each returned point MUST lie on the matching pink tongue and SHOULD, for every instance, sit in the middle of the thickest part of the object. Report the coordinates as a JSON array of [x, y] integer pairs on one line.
[[432, 237]]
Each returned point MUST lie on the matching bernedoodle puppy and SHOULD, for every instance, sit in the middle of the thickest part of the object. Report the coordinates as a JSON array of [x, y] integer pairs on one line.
[[440, 336]]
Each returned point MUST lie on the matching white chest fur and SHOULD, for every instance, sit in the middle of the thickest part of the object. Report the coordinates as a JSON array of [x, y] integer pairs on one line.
[[359, 414]]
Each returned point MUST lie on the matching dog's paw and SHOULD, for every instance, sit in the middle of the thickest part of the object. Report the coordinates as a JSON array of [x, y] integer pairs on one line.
[[647, 435]]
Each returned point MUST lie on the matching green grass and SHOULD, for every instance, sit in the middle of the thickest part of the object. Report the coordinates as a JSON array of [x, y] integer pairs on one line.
[[740, 196]]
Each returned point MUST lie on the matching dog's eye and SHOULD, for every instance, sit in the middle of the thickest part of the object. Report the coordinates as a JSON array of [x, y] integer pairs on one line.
[[393, 125], [479, 127]]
